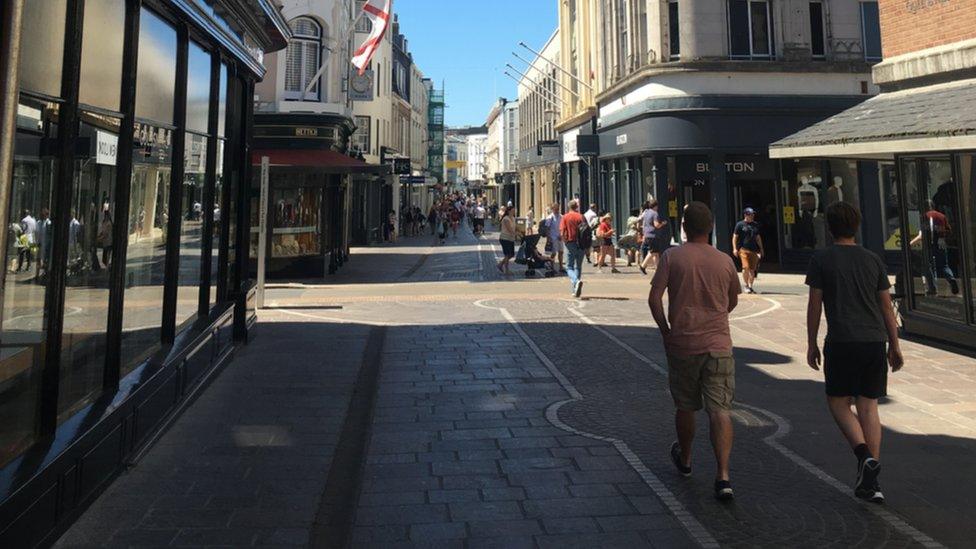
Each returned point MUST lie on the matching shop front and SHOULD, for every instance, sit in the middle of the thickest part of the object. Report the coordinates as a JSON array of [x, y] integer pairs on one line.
[[923, 169], [714, 150], [579, 147], [312, 193], [124, 278]]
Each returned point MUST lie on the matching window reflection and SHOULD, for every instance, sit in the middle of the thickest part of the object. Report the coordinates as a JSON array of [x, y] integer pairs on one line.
[[23, 329], [198, 90], [217, 224], [191, 229], [933, 220], [101, 53], [156, 83], [887, 175], [90, 249], [146, 256], [42, 53]]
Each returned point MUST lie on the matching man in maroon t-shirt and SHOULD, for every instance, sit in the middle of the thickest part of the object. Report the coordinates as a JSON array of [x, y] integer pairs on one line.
[[569, 231]]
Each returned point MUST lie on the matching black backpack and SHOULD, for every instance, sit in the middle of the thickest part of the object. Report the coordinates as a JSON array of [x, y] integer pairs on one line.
[[584, 235]]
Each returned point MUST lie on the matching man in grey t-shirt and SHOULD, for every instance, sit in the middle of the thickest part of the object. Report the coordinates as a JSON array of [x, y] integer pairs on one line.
[[852, 285]]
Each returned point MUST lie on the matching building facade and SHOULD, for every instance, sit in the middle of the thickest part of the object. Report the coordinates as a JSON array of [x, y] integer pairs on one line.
[[125, 173], [541, 109], [500, 147], [690, 94], [914, 147]]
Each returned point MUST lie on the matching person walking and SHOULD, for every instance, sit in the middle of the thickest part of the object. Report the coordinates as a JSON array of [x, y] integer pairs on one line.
[[479, 218], [747, 245], [604, 235], [592, 217], [554, 241], [651, 247], [703, 288], [507, 239], [935, 232], [574, 230], [630, 242], [852, 285]]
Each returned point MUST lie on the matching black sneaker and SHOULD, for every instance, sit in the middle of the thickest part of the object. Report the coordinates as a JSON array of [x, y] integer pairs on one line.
[[578, 290], [723, 490], [676, 458], [867, 487], [642, 269]]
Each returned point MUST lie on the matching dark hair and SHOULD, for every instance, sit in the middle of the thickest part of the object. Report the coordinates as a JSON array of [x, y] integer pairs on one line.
[[698, 220], [651, 204], [843, 220], [635, 212]]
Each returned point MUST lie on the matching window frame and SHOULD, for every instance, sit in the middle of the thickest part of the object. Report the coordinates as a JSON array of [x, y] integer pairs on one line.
[[770, 40], [304, 40], [823, 31], [367, 125], [864, 29]]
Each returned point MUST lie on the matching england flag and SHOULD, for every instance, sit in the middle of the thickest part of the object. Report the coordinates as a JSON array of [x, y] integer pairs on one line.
[[378, 12]]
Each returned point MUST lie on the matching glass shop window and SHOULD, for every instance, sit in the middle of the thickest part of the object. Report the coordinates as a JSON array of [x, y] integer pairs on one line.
[[198, 90], [156, 81], [146, 257], [218, 223], [23, 331], [296, 222], [191, 229], [101, 54], [967, 187], [932, 204], [888, 175], [803, 190], [91, 248], [42, 46]]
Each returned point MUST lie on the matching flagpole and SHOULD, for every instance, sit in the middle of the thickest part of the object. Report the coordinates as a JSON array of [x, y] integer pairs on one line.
[[349, 33]]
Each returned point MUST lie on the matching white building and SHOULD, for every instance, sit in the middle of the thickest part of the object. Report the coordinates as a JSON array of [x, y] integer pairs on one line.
[[539, 110], [477, 167]]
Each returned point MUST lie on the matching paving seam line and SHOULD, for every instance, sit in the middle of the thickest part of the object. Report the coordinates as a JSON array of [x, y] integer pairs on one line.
[[783, 428], [695, 529]]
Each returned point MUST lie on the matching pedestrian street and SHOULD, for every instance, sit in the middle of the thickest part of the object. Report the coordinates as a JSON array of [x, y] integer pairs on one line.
[[420, 398]]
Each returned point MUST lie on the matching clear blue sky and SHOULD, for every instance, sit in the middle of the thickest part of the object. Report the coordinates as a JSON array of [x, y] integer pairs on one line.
[[466, 43]]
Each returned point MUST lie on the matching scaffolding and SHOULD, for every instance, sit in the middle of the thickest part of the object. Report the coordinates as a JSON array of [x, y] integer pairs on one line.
[[435, 132]]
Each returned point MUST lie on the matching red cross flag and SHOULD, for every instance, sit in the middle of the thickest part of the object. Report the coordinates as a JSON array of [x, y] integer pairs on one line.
[[378, 12]]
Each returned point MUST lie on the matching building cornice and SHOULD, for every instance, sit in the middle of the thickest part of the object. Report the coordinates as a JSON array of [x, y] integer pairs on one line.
[[577, 119], [725, 66], [927, 63]]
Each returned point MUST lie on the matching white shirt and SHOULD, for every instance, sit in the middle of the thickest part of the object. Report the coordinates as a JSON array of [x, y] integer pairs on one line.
[[479, 213], [552, 223], [29, 225], [590, 215]]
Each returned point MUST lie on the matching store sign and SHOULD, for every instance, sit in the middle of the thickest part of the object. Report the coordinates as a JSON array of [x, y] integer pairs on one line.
[[570, 146], [306, 132], [789, 215], [622, 139], [743, 168], [106, 148]]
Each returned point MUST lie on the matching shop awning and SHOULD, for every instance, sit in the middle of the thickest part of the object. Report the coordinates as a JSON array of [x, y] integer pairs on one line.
[[324, 161], [926, 119]]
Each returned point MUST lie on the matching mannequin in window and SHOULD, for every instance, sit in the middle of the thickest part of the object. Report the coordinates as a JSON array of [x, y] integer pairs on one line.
[[836, 191], [808, 198]]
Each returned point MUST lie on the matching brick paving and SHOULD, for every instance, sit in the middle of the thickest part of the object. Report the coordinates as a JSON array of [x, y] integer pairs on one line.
[[503, 419]]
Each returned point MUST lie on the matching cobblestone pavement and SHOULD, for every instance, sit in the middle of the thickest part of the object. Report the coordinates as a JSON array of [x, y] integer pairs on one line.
[[507, 415]]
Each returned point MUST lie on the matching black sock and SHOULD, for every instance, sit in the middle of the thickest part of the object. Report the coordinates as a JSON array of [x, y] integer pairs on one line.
[[862, 452]]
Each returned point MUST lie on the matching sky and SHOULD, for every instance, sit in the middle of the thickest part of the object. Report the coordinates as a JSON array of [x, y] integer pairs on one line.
[[466, 43]]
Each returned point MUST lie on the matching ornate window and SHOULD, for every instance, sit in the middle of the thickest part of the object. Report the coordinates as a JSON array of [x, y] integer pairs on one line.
[[303, 59]]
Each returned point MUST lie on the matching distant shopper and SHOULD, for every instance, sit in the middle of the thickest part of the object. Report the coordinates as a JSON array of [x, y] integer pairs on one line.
[[703, 288], [747, 245], [479, 218], [392, 221], [604, 235], [852, 285], [630, 242], [653, 245], [577, 236], [592, 217], [104, 239], [554, 241], [507, 239]]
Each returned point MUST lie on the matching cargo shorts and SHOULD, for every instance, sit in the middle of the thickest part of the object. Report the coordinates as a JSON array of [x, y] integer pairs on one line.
[[708, 377]]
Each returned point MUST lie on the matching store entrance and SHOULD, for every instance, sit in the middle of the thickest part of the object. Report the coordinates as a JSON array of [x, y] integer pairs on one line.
[[760, 196]]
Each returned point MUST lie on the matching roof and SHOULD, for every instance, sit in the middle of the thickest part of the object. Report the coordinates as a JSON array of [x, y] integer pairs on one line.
[[325, 161], [931, 118]]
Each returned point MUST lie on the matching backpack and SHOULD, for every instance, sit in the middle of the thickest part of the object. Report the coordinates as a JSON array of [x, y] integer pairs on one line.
[[584, 235]]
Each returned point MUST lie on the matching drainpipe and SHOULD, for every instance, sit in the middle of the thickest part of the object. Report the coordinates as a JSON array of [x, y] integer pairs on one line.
[[10, 21]]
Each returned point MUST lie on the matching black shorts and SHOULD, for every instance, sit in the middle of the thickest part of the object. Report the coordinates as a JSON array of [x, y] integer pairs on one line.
[[508, 248], [856, 369]]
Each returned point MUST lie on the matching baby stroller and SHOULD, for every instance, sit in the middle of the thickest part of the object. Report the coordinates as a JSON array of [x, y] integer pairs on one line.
[[528, 255]]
